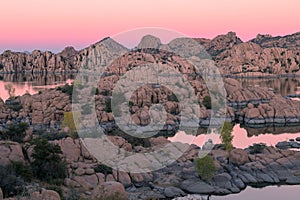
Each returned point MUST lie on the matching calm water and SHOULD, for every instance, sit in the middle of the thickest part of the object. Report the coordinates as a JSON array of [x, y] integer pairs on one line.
[[266, 193], [242, 137], [31, 83], [283, 86]]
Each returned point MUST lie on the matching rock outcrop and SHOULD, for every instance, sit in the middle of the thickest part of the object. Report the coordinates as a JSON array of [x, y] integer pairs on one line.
[[263, 56], [38, 61], [220, 43], [289, 41], [249, 59], [10, 152], [109, 189]]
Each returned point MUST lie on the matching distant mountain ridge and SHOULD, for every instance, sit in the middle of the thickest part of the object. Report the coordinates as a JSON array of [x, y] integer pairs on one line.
[[262, 56]]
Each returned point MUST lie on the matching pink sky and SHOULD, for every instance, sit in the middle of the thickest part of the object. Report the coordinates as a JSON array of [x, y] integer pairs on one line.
[[36, 24]]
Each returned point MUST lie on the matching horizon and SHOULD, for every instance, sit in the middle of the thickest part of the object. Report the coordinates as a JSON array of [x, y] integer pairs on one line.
[[132, 42], [33, 24]]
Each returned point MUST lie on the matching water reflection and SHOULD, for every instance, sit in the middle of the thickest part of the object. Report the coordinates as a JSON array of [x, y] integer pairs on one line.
[[283, 86], [31, 83], [272, 130], [241, 138], [270, 192]]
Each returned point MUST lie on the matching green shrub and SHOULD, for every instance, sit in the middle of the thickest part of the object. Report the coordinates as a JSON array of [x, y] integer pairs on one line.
[[22, 170], [11, 183], [172, 97], [257, 148], [47, 164], [226, 135], [130, 104], [205, 167], [108, 106], [15, 132], [50, 136], [67, 89], [94, 91], [207, 102], [16, 107], [103, 169]]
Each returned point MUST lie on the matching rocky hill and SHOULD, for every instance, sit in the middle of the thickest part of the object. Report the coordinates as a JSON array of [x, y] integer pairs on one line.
[[262, 56], [289, 41]]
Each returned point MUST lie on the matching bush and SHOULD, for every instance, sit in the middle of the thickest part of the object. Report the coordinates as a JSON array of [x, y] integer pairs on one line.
[[15, 132], [11, 183], [50, 136], [16, 107], [103, 169], [95, 91], [207, 102], [257, 148], [67, 89], [108, 106], [172, 97], [47, 164], [205, 167], [226, 135], [22, 170]]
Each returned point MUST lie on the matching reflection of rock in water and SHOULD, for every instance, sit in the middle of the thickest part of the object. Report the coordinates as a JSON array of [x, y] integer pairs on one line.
[[283, 86], [272, 130], [37, 79]]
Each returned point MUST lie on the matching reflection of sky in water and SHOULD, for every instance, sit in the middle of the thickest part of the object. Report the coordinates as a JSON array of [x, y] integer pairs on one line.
[[267, 193], [240, 139], [22, 87]]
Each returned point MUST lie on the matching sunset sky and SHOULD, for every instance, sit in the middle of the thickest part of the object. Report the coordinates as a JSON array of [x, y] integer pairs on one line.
[[52, 25]]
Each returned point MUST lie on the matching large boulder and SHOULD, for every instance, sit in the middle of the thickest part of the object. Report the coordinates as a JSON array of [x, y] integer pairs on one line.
[[238, 156], [196, 186], [71, 148], [45, 195], [109, 190], [172, 192], [10, 152]]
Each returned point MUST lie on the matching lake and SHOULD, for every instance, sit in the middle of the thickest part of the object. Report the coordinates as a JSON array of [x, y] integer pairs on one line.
[[267, 193], [243, 137], [283, 86], [32, 83]]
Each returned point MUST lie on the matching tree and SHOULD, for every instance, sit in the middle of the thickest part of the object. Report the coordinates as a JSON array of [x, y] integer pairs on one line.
[[226, 136], [11, 90], [205, 167], [207, 102], [47, 164], [14, 178]]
